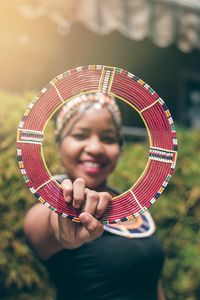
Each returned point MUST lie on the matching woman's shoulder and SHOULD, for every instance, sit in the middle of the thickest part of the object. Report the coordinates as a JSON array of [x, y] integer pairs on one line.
[[114, 192]]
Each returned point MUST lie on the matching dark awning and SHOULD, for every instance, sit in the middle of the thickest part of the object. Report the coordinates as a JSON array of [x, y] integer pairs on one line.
[[163, 21]]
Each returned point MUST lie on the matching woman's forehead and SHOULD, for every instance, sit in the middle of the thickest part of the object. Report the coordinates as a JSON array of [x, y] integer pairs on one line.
[[92, 120], [101, 117]]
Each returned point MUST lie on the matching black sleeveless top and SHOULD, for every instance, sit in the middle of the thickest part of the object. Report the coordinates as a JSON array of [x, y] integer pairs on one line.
[[109, 268]]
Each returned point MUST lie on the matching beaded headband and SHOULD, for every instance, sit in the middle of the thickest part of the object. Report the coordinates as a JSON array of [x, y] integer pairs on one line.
[[84, 102], [124, 86]]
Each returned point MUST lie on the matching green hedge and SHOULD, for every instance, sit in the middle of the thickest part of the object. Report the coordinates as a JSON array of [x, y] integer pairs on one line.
[[177, 211]]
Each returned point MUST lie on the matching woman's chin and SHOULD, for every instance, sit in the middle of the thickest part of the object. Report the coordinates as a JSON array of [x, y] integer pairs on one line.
[[94, 178], [94, 183]]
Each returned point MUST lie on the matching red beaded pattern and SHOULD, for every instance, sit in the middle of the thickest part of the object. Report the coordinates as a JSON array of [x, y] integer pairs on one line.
[[125, 86]]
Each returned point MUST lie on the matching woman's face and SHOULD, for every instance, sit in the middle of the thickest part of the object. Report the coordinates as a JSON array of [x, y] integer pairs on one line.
[[89, 147]]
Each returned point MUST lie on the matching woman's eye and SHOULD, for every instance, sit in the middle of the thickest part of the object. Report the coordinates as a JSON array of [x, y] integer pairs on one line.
[[79, 136]]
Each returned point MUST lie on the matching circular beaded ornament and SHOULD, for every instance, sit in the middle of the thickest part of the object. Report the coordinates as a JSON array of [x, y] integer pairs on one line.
[[125, 86]]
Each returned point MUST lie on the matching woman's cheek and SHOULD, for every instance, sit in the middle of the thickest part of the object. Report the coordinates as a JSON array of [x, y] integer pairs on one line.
[[117, 152]]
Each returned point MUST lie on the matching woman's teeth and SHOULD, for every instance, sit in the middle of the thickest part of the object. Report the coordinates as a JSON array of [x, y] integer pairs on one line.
[[91, 164]]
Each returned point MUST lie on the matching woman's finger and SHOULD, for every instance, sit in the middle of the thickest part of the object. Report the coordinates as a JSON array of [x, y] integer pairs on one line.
[[78, 192], [91, 202], [67, 190], [92, 225], [105, 199]]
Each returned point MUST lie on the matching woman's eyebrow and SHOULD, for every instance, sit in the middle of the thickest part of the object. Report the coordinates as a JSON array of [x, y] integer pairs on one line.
[[83, 129], [75, 130]]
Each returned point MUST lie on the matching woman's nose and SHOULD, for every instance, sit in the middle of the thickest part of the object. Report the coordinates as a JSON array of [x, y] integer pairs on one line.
[[94, 146]]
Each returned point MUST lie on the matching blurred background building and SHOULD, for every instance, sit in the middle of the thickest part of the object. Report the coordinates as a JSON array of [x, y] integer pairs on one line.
[[157, 40]]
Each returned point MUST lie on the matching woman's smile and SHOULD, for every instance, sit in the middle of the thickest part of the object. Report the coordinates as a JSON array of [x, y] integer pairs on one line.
[[91, 167]]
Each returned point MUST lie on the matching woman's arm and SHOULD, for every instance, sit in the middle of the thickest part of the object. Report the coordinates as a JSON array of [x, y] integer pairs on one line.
[[39, 232], [161, 295], [49, 233]]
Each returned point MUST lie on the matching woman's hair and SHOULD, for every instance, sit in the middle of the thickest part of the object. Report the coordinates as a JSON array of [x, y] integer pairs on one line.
[[78, 105]]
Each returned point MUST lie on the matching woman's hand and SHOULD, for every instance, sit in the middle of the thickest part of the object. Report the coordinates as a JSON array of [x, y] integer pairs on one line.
[[93, 204], [49, 233]]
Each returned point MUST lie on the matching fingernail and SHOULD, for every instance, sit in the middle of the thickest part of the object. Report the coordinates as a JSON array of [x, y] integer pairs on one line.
[[76, 205], [68, 199]]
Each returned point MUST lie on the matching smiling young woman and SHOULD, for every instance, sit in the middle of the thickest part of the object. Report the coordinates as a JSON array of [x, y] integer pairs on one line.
[[89, 148], [88, 260]]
